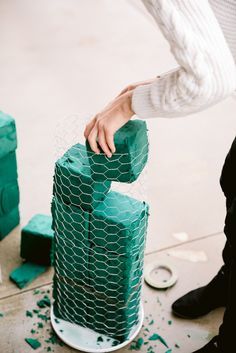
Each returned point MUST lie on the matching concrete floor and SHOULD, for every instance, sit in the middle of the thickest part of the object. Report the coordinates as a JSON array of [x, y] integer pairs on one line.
[[61, 62]]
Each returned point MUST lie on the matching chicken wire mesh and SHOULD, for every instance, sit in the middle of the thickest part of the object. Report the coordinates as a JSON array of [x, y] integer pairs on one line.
[[100, 220]]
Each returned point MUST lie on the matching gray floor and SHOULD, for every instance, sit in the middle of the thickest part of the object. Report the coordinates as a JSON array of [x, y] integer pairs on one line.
[[61, 62]]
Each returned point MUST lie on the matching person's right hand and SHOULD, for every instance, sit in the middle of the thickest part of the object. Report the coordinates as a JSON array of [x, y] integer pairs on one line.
[[136, 84]]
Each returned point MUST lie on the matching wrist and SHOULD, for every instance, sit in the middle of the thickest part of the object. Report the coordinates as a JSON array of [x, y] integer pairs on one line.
[[126, 105]]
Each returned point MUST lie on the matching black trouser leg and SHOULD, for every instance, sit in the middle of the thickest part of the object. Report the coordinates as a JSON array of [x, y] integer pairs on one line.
[[227, 332]]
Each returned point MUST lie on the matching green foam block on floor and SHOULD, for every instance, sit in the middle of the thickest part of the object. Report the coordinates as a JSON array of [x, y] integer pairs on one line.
[[37, 240], [119, 223], [26, 273], [73, 182], [129, 159], [8, 222], [8, 140]]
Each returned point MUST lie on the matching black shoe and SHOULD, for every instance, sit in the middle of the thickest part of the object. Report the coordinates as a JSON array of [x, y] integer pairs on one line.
[[211, 347], [202, 300]]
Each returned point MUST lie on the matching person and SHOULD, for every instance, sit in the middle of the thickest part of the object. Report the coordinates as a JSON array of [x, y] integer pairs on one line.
[[202, 38]]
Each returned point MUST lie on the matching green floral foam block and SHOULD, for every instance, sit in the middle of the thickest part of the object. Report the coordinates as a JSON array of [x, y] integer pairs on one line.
[[37, 240], [126, 164], [8, 222], [9, 197], [107, 316], [119, 224], [70, 300], [73, 182], [71, 225], [8, 140], [98, 311], [117, 276], [26, 273], [9, 191], [8, 169]]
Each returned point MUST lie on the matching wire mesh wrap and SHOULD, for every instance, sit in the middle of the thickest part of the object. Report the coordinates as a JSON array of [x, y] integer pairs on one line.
[[100, 234]]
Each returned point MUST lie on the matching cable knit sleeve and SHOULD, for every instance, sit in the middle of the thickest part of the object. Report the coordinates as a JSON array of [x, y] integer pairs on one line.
[[206, 73]]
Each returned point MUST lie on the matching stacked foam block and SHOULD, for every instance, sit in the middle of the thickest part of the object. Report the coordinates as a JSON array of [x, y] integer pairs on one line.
[[9, 190], [100, 235]]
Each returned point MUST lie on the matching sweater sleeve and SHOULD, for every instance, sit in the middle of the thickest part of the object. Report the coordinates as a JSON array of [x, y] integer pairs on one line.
[[206, 73]]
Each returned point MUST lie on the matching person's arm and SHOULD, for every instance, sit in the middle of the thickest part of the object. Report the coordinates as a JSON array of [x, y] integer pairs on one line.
[[206, 73]]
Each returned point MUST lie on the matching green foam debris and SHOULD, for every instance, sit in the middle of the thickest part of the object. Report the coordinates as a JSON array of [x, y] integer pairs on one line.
[[44, 302], [33, 342], [129, 159], [156, 337], [37, 240], [29, 313], [43, 317], [26, 273]]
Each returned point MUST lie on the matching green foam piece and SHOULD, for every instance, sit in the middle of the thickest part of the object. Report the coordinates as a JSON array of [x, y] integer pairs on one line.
[[71, 225], [129, 159], [8, 140], [33, 342], [119, 223], [37, 240], [26, 273], [9, 197], [8, 169], [73, 182], [99, 263], [8, 222], [70, 301], [117, 276], [82, 305], [108, 318]]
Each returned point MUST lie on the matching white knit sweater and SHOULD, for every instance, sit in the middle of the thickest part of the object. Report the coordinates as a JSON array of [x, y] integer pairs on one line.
[[202, 38]]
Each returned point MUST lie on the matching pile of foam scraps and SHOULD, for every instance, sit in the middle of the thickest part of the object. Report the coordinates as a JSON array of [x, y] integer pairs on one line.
[[149, 338], [41, 332]]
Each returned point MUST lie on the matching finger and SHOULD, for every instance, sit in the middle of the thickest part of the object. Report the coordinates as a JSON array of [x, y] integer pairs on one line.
[[89, 127], [92, 139], [102, 142], [109, 136]]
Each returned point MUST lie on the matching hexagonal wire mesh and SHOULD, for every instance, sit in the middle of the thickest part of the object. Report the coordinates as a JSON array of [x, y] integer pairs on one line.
[[100, 219]]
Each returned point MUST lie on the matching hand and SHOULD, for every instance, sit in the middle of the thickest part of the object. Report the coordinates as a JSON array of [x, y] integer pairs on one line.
[[103, 126]]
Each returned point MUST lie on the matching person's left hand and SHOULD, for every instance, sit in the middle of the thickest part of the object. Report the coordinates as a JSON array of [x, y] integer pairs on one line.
[[103, 126]]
